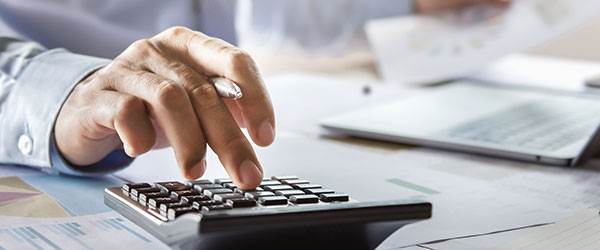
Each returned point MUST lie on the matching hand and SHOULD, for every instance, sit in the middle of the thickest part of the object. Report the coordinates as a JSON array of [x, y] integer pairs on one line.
[[430, 6], [155, 94]]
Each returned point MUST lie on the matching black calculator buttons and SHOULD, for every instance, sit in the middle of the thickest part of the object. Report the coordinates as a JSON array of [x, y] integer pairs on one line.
[[202, 187], [319, 191], [281, 178], [199, 204], [171, 186], [288, 193], [212, 192], [258, 194], [263, 184], [216, 208], [304, 199], [306, 186], [179, 194], [241, 202], [278, 187], [190, 199], [292, 182], [224, 197], [127, 187], [223, 181], [334, 197], [155, 202], [197, 182], [272, 200], [178, 211]]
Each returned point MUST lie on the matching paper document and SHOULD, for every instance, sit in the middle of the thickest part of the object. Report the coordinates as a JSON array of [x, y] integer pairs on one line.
[[101, 231], [41, 211], [581, 232], [434, 48]]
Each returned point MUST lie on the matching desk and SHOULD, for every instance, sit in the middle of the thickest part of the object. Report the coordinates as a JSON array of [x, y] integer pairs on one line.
[[471, 195]]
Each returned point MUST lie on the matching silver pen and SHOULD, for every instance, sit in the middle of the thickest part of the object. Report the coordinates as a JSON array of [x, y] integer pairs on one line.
[[226, 88]]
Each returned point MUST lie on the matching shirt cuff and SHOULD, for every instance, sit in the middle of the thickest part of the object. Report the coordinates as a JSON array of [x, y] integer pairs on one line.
[[32, 107], [114, 161], [388, 8]]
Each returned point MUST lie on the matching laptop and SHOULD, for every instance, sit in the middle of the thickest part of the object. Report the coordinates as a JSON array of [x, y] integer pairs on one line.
[[543, 126]]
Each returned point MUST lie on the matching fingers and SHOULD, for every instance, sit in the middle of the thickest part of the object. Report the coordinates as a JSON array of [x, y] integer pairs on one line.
[[169, 104], [216, 57], [127, 115], [222, 132]]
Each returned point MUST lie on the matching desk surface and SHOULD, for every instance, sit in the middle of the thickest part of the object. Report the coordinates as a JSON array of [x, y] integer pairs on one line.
[[471, 195]]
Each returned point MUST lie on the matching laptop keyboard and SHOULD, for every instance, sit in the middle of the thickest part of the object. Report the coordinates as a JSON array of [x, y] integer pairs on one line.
[[542, 125]]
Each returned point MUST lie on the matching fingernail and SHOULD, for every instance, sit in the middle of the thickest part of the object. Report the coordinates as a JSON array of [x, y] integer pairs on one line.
[[128, 150], [266, 133], [198, 170], [249, 172]]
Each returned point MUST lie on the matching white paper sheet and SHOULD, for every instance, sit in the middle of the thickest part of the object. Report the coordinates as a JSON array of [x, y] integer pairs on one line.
[[433, 48], [101, 231], [578, 232]]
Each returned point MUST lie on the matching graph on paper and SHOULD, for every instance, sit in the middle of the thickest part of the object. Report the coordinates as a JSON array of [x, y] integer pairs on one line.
[[101, 231]]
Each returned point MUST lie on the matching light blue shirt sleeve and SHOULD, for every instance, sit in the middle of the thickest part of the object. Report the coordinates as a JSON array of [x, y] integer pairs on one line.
[[34, 84]]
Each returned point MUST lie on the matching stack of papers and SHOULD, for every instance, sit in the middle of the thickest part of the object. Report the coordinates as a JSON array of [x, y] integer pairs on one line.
[[440, 47]]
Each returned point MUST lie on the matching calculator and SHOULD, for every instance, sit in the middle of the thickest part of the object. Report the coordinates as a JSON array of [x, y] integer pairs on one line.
[[284, 212]]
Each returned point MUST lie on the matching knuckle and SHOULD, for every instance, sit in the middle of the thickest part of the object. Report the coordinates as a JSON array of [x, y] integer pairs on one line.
[[129, 106], [169, 92], [176, 31], [205, 92], [238, 58], [141, 48]]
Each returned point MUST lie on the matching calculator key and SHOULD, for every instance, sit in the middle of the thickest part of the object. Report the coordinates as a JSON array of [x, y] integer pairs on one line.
[[127, 187], [241, 202], [143, 197], [138, 191], [230, 185], [192, 198], [178, 211], [197, 182], [216, 208], [278, 187], [166, 206], [258, 194], [179, 194], [241, 191], [319, 191], [334, 197], [288, 193], [292, 182], [304, 199], [227, 196], [223, 181], [306, 186], [212, 192], [202, 187], [171, 186], [272, 200], [269, 183], [155, 202], [199, 204], [281, 178]]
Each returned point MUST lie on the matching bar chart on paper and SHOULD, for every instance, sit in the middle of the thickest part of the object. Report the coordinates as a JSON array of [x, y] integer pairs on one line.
[[104, 230]]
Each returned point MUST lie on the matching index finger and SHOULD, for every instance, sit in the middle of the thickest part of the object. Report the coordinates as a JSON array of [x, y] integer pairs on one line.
[[217, 57]]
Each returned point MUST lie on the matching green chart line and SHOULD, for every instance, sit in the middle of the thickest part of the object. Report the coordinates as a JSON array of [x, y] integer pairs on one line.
[[412, 186]]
